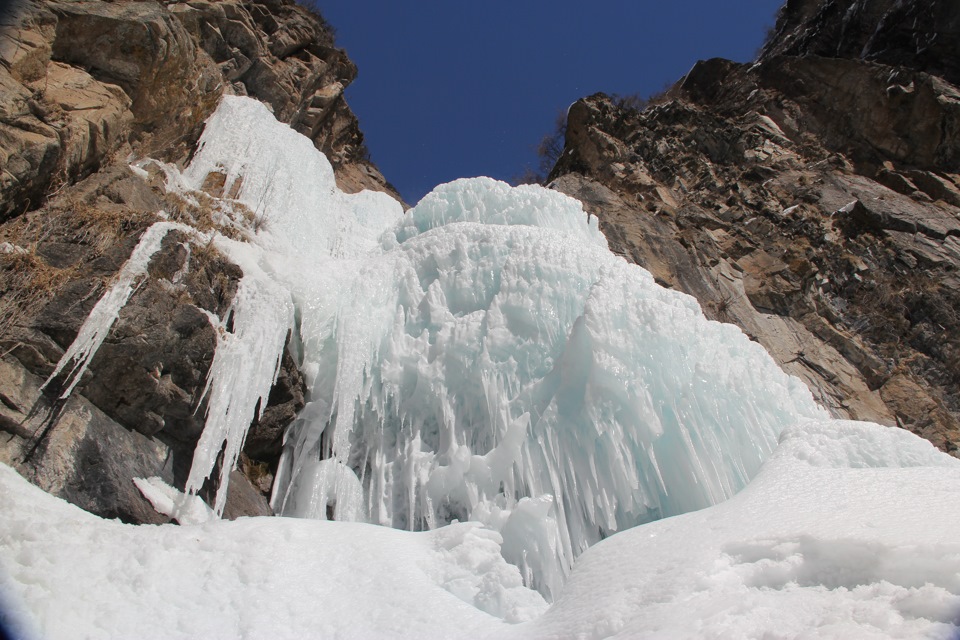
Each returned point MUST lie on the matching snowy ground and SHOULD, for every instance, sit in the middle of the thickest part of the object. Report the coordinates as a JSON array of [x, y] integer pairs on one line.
[[849, 531]]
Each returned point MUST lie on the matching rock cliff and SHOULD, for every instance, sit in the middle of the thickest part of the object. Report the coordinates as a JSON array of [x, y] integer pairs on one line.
[[86, 88], [812, 198]]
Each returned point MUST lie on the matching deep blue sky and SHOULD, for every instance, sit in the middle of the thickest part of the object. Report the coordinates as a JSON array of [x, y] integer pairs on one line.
[[451, 89]]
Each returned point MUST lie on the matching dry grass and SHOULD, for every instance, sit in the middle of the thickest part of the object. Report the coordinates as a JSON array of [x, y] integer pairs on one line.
[[37, 269], [205, 213], [27, 280], [102, 226], [257, 472], [27, 283]]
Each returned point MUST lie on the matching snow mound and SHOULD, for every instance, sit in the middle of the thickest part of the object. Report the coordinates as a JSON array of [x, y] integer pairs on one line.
[[859, 544], [850, 444]]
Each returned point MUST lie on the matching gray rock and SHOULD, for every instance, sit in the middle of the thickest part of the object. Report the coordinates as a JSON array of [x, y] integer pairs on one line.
[[810, 200]]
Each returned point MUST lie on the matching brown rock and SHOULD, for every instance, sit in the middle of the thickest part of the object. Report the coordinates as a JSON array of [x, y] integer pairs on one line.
[[810, 200]]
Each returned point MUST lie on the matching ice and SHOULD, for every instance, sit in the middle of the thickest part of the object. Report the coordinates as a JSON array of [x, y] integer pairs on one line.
[[516, 373], [484, 357], [95, 328], [182, 507], [331, 491], [305, 227], [245, 366], [813, 548]]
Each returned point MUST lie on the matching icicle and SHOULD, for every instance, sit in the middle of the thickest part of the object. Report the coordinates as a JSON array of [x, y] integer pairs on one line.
[[245, 365], [97, 325]]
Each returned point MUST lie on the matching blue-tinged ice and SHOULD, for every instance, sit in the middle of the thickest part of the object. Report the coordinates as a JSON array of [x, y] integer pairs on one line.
[[483, 357], [516, 373]]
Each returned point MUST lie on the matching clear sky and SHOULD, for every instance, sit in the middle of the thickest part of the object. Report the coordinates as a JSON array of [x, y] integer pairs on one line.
[[452, 89]]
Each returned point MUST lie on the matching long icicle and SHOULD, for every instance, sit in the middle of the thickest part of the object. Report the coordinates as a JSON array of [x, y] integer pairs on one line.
[[244, 368], [103, 315]]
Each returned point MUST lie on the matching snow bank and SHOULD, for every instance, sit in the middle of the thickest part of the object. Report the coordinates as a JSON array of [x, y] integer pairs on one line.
[[857, 541], [76, 575], [828, 548]]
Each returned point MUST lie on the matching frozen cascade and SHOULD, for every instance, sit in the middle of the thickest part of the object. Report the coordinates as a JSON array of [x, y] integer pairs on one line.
[[483, 357], [526, 378], [244, 368], [95, 328], [306, 228]]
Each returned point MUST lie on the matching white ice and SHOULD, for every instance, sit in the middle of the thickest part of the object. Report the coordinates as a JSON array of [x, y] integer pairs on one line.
[[105, 312], [170, 501]]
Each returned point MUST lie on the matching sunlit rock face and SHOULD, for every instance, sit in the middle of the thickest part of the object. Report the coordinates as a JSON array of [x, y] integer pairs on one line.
[[811, 197]]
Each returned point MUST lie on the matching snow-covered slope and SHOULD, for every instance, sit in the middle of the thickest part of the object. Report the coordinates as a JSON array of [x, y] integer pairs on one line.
[[849, 531], [485, 358]]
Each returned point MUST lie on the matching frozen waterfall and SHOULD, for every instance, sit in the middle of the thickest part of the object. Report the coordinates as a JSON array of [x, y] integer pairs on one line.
[[481, 357]]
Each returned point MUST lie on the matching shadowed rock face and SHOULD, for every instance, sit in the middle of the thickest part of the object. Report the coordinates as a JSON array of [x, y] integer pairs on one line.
[[86, 87], [923, 36], [812, 198]]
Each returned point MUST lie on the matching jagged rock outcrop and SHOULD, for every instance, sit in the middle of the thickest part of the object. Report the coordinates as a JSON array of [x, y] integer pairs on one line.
[[923, 36], [85, 81], [86, 87], [812, 198]]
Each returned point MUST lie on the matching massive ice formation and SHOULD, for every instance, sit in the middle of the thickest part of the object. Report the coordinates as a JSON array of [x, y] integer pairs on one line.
[[483, 357]]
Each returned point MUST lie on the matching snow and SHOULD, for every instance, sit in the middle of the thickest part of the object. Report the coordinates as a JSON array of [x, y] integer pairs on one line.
[[79, 576], [532, 418], [856, 541], [849, 531]]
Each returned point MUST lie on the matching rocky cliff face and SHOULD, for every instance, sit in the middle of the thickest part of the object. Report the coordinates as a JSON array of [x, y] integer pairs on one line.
[[87, 87], [812, 198]]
